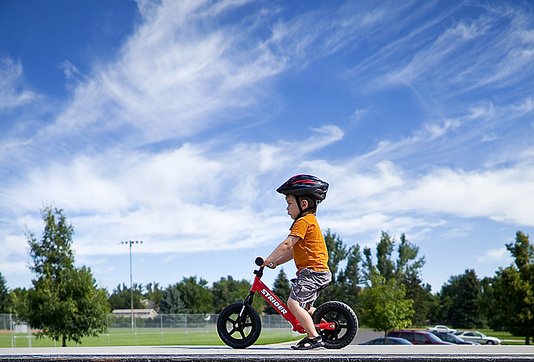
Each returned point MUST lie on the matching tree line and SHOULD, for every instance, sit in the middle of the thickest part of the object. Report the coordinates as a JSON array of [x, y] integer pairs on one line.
[[383, 285]]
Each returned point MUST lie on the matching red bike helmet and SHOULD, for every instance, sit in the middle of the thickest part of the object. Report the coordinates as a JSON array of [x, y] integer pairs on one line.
[[305, 185]]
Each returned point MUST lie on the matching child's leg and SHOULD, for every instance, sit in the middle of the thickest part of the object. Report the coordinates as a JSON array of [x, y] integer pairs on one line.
[[303, 316]]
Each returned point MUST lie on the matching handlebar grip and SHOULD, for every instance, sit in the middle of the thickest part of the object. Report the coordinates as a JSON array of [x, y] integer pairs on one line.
[[259, 261]]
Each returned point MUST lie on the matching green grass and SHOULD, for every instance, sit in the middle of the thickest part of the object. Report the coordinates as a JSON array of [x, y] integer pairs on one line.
[[146, 337]]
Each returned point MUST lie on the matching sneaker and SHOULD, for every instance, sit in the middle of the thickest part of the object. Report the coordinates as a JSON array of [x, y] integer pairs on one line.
[[309, 343]]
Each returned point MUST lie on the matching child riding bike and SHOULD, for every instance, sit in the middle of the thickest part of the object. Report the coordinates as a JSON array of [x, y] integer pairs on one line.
[[306, 246]]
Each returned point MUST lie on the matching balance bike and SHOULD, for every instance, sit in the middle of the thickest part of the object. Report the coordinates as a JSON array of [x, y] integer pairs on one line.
[[239, 325]]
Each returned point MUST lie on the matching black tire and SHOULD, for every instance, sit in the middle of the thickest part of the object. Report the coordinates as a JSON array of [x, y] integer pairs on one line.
[[346, 324], [239, 332]]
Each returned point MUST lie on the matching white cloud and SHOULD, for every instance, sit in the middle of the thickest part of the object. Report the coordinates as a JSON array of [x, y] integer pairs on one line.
[[526, 106], [13, 92], [501, 195], [175, 77], [501, 255]]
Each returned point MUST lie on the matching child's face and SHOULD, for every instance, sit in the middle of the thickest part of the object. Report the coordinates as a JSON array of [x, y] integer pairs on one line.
[[292, 206]]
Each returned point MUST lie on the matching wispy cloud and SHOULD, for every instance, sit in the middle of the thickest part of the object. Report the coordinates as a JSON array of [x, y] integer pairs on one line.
[[13, 91], [150, 144], [491, 47], [500, 254]]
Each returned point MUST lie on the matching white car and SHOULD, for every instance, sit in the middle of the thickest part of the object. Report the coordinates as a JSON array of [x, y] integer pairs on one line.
[[442, 329], [479, 337]]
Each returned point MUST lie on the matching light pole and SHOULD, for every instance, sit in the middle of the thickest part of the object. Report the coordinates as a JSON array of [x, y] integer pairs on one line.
[[130, 243]]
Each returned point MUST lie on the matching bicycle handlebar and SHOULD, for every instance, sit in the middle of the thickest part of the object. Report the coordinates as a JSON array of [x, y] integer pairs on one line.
[[259, 261]]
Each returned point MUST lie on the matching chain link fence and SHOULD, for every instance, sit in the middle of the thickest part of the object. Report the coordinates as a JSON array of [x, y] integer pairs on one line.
[[163, 329]]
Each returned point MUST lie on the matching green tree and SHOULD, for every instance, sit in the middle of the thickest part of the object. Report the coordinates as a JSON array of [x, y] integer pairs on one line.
[[405, 270], [337, 253], [423, 299], [121, 298], [384, 249], [172, 302], [228, 290], [408, 270], [153, 295], [459, 299], [64, 302], [18, 302], [196, 295], [5, 300], [350, 279], [282, 288], [384, 305], [512, 291]]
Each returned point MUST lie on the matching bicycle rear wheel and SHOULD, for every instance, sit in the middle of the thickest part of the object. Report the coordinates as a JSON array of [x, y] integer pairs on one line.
[[345, 320], [239, 331]]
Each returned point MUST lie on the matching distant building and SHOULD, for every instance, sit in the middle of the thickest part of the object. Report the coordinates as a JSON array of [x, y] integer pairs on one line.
[[138, 313]]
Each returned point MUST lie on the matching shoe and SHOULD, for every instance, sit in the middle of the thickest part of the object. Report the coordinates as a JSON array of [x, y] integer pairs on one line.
[[309, 343]]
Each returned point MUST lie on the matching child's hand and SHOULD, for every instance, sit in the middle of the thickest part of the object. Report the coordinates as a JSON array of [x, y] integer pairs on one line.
[[269, 264]]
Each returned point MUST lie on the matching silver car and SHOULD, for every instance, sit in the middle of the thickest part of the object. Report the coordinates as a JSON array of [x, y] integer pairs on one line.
[[478, 337]]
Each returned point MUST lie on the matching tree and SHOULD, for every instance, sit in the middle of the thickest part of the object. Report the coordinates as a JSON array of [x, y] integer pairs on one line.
[[384, 249], [350, 279], [121, 298], [423, 299], [172, 302], [408, 269], [384, 305], [227, 291], [337, 253], [281, 288], [153, 295], [512, 291], [4, 296], [405, 270], [459, 299], [196, 295], [64, 302]]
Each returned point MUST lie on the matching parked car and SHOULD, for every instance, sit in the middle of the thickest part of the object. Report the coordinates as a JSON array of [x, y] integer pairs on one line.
[[452, 338], [417, 337], [479, 337], [442, 328], [388, 340]]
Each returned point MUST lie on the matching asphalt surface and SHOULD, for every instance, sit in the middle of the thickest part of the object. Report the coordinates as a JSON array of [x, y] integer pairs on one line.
[[278, 352]]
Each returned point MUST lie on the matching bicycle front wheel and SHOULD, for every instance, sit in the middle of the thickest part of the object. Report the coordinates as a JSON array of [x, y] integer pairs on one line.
[[239, 325]]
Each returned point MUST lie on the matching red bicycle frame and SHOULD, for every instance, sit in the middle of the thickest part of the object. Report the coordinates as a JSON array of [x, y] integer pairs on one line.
[[280, 306]]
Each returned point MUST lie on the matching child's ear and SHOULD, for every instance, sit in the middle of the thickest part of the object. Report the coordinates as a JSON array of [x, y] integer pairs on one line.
[[304, 204]]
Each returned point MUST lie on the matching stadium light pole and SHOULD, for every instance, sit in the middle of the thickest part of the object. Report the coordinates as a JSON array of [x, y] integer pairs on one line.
[[130, 243]]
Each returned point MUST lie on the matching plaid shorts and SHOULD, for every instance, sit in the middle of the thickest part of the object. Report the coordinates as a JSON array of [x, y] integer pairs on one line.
[[307, 285]]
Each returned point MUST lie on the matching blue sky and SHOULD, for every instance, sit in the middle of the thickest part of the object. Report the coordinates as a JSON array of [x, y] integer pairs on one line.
[[174, 122]]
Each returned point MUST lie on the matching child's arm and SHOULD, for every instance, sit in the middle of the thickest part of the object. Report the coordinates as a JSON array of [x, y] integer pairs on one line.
[[282, 253]]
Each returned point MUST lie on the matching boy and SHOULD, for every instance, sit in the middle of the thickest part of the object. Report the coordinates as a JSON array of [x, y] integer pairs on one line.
[[305, 244]]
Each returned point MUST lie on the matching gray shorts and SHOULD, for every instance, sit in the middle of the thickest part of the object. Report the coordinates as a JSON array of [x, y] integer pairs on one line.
[[307, 285]]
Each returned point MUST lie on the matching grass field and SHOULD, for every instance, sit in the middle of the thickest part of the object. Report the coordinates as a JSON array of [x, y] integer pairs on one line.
[[145, 337]]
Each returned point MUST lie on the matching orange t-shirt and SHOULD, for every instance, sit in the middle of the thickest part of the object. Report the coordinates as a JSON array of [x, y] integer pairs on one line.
[[310, 251]]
